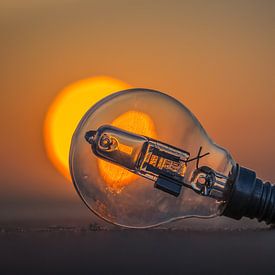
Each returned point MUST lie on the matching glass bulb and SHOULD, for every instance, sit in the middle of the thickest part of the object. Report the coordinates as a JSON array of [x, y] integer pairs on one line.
[[135, 140]]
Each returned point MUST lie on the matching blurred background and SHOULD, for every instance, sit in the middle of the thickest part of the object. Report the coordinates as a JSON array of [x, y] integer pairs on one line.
[[217, 57]]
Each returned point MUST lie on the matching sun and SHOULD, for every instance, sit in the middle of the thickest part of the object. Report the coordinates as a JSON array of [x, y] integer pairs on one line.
[[66, 111]]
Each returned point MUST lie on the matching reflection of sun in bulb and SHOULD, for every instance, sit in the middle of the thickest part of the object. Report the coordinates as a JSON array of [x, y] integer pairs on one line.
[[136, 122], [66, 111]]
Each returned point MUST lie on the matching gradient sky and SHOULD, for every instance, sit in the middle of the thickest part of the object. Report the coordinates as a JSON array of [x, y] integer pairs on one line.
[[217, 57]]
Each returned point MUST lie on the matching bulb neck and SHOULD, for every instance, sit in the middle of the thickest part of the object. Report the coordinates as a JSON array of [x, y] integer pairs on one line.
[[248, 196]]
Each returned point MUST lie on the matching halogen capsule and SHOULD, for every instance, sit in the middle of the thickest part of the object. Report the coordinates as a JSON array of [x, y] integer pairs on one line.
[[154, 160]]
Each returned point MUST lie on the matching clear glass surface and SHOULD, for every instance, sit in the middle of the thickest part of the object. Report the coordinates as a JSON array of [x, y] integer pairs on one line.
[[123, 198]]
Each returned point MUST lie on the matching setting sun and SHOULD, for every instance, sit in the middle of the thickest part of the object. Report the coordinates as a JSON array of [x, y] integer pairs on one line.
[[66, 111]]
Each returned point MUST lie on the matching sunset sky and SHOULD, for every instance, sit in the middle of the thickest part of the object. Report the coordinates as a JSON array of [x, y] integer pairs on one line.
[[217, 57]]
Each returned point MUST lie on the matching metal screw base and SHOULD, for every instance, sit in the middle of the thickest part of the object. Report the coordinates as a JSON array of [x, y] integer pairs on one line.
[[250, 197]]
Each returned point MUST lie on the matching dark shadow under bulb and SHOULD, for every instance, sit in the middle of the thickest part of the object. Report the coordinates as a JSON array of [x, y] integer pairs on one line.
[[180, 160]]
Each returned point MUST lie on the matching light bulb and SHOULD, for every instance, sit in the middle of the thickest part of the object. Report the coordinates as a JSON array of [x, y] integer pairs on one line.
[[159, 165]]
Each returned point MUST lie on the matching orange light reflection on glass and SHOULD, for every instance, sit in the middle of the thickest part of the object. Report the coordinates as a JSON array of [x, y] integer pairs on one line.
[[139, 123]]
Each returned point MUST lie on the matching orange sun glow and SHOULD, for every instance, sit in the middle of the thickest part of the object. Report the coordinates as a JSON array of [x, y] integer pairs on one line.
[[66, 111]]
